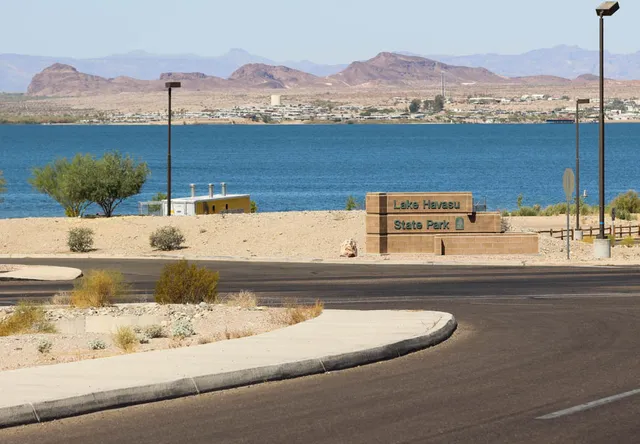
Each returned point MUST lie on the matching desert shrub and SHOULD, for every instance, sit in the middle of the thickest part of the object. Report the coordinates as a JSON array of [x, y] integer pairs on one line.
[[295, 313], [237, 334], [628, 241], [61, 298], [526, 211], [182, 329], [44, 346], [588, 239], [98, 288], [628, 202], [505, 213], [182, 283], [166, 239], [244, 299], [612, 240], [125, 339], [80, 240], [505, 226], [351, 204], [97, 344], [26, 318], [154, 331], [254, 207], [624, 215]]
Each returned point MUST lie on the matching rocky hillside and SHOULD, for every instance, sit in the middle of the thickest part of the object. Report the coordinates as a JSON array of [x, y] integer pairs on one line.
[[401, 70], [278, 77]]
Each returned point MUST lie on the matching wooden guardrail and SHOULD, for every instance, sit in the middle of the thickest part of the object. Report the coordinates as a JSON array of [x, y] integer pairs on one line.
[[617, 231]]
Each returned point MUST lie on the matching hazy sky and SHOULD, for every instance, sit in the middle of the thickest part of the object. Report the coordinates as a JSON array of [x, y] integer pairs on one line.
[[326, 31]]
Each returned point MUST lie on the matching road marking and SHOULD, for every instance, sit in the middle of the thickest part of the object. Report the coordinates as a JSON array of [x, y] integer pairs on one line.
[[590, 405]]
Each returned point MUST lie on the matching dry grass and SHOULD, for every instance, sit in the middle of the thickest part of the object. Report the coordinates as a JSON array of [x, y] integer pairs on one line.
[[295, 313], [236, 334], [98, 288], [205, 340], [125, 339], [61, 299], [27, 318], [244, 299]]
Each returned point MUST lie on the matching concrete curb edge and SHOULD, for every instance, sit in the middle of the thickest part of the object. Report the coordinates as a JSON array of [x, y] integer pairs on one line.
[[63, 408]]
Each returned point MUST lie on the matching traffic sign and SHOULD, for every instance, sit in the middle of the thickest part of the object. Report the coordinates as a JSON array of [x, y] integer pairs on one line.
[[569, 183]]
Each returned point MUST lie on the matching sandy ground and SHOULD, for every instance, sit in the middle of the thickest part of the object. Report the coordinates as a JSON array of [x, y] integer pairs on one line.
[[210, 322], [297, 236]]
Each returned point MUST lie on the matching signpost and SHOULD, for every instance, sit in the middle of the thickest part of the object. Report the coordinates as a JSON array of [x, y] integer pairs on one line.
[[569, 185]]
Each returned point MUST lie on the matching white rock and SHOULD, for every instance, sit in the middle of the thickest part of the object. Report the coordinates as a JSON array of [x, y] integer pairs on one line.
[[349, 248]]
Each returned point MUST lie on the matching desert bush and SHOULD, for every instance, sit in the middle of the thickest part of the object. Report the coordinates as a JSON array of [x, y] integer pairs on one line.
[[254, 207], [295, 313], [244, 299], [628, 202], [505, 226], [44, 346], [125, 339], [97, 344], [237, 334], [182, 329], [526, 211], [204, 340], [154, 331], [98, 288], [80, 239], [181, 283], [351, 204], [628, 241], [61, 298], [624, 215], [26, 318], [588, 239], [166, 239]]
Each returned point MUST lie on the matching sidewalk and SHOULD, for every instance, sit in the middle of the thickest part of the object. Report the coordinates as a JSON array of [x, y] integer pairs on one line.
[[337, 339]]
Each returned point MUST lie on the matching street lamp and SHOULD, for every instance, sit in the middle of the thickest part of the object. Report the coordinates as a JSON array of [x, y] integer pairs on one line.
[[169, 86], [578, 103], [602, 250]]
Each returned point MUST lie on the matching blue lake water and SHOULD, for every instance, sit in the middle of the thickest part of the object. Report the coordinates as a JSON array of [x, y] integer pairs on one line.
[[311, 167]]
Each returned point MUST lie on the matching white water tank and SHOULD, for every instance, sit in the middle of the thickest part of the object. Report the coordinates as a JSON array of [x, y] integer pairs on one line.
[[276, 100]]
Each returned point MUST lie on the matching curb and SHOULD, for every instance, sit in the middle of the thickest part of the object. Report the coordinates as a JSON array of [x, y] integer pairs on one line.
[[63, 408], [283, 260]]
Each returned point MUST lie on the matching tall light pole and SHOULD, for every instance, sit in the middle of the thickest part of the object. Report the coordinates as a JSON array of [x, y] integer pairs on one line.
[[169, 86], [578, 103], [606, 9]]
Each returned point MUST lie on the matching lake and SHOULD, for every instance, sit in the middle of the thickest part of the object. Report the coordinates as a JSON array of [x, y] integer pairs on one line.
[[315, 167]]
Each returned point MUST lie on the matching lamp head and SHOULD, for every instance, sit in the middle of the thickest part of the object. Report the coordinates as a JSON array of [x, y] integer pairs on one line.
[[173, 85], [607, 9]]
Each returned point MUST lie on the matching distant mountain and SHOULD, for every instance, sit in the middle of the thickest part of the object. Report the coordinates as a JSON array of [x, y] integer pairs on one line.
[[16, 71], [384, 70], [267, 76], [402, 70], [561, 61], [65, 80]]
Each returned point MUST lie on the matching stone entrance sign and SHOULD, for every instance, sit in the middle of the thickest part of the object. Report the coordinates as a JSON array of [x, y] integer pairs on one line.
[[426, 223]]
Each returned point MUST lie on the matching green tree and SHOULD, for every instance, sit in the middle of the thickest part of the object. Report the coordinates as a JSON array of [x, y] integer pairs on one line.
[[414, 107], [65, 182], [438, 104], [3, 184], [158, 197], [113, 179]]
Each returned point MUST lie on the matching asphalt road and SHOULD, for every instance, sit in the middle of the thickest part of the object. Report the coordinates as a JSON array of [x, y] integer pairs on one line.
[[531, 342]]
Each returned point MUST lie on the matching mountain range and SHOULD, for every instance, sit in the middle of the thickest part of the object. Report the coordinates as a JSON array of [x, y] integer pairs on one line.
[[16, 71], [384, 70]]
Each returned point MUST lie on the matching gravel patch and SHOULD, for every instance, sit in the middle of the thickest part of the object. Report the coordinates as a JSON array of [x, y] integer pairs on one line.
[[210, 322]]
